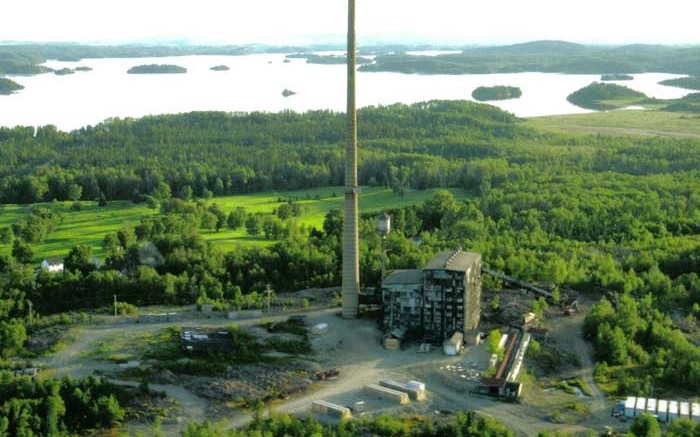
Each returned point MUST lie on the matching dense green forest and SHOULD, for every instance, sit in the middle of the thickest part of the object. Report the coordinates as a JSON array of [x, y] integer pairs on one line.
[[602, 96], [8, 86], [282, 425], [157, 69], [619, 215], [691, 83], [614, 77], [548, 57], [54, 407], [498, 92]]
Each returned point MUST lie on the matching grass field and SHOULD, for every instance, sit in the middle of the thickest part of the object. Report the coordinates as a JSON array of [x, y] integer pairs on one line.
[[624, 122], [92, 223]]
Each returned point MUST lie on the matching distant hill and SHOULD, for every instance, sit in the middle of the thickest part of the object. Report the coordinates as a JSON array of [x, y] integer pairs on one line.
[[498, 92], [8, 86], [547, 57], [690, 83], [544, 46], [603, 96], [157, 69]]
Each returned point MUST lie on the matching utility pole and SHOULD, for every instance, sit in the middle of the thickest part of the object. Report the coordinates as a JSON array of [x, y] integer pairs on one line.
[[30, 316], [351, 263], [269, 297], [115, 305]]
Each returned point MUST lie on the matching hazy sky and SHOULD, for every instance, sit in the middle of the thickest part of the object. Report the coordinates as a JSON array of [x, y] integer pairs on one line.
[[320, 21]]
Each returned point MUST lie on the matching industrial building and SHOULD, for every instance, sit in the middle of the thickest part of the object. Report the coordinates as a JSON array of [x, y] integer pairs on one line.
[[663, 410], [437, 301]]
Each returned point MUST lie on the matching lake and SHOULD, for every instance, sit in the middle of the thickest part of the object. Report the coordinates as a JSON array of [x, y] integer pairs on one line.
[[256, 82]]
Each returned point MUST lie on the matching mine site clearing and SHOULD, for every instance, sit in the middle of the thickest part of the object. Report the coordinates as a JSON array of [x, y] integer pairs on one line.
[[347, 356]]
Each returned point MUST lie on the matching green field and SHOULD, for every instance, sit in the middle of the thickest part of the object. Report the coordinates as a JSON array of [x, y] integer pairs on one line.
[[623, 122], [87, 226], [90, 225]]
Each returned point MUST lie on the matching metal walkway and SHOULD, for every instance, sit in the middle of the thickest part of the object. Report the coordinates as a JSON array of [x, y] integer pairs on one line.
[[517, 282]]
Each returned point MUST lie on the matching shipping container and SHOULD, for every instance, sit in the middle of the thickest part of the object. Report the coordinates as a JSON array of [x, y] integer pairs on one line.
[[695, 412], [684, 412], [630, 405], [651, 406], [662, 410], [672, 410], [640, 407]]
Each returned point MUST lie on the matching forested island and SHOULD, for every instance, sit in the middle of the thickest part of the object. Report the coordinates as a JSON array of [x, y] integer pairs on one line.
[[691, 83], [157, 69], [64, 72], [615, 77], [498, 92], [604, 96], [8, 86], [220, 68], [83, 68], [313, 58]]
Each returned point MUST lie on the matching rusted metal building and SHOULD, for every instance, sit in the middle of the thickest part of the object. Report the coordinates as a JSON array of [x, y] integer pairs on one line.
[[441, 299]]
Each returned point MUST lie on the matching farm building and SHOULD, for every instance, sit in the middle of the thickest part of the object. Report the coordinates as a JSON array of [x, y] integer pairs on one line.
[[439, 300], [52, 265]]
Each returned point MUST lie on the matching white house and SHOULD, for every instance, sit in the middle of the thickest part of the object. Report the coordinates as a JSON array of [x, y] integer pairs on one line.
[[52, 265]]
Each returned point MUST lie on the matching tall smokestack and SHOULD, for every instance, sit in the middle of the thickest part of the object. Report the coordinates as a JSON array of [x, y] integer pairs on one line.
[[351, 256]]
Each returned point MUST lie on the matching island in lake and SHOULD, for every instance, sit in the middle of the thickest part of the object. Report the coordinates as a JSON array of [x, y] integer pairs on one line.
[[288, 93], [220, 68], [691, 82], [498, 92], [312, 58], [157, 69], [612, 77], [63, 72], [83, 68], [8, 86], [603, 96]]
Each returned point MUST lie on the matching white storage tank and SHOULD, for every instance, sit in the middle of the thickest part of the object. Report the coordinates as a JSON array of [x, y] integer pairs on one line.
[[662, 410], [319, 329], [630, 404], [640, 407], [453, 345], [416, 384], [684, 410], [672, 410], [651, 406]]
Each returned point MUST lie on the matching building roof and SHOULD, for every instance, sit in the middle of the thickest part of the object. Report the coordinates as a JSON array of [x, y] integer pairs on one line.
[[404, 277], [453, 260], [54, 261]]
